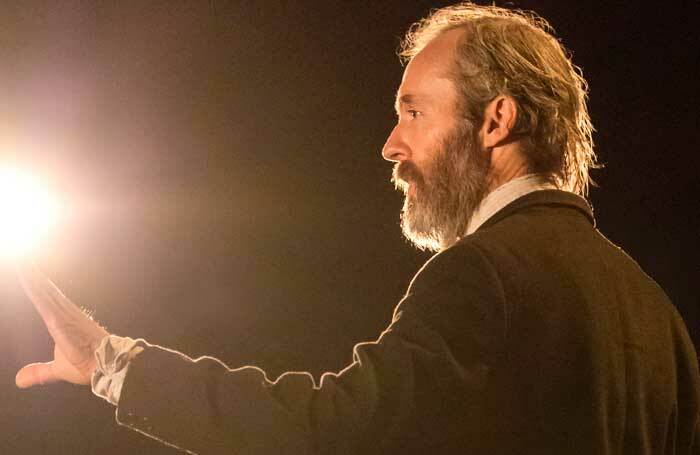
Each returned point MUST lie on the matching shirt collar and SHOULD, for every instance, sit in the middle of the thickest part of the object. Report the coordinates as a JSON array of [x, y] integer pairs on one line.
[[504, 195]]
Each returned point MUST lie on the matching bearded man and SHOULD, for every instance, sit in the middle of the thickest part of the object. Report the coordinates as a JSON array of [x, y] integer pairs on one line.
[[527, 332]]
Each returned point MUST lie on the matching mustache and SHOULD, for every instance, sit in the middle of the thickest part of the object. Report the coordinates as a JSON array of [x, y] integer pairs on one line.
[[404, 173]]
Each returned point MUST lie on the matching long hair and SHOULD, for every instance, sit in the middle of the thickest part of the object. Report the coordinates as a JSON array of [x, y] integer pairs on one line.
[[515, 53]]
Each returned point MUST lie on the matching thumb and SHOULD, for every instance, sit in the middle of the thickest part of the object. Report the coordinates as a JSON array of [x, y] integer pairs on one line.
[[35, 374]]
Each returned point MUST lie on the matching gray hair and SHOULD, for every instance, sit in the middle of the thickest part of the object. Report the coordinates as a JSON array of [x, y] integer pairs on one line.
[[515, 53]]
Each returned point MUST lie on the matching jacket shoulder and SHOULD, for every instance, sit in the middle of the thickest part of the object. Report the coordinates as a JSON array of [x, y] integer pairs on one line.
[[464, 263]]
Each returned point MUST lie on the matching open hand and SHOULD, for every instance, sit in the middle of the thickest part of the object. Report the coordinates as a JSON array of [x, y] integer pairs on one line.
[[75, 334]]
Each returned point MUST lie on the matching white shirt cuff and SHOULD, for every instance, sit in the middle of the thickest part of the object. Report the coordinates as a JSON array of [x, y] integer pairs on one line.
[[113, 356]]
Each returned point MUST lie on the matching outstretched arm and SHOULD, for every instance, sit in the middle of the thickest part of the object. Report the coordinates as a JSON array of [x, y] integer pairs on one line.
[[422, 386]]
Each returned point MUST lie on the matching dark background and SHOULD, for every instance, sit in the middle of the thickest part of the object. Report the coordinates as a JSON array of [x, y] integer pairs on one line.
[[221, 165]]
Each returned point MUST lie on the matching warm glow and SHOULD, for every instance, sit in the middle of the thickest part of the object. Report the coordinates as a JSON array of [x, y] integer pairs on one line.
[[27, 211]]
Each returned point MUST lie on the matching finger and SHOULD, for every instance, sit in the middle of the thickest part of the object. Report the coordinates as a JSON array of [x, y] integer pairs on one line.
[[26, 268], [40, 299], [34, 284], [35, 374], [53, 307]]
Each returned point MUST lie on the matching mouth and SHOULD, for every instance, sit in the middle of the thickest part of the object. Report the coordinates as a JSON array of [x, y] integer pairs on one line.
[[407, 179]]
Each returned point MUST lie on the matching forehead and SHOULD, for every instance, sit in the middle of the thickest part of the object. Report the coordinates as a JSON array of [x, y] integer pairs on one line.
[[427, 74]]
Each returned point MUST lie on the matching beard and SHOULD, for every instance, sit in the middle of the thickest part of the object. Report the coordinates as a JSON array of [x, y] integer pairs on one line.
[[441, 199]]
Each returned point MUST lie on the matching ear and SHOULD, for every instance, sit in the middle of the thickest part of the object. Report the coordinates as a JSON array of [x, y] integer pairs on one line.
[[499, 120]]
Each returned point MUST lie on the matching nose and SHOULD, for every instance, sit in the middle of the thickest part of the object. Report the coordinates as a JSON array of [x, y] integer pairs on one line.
[[395, 149]]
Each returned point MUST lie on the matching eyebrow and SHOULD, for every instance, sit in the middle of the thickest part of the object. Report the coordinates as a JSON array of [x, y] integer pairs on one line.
[[404, 99]]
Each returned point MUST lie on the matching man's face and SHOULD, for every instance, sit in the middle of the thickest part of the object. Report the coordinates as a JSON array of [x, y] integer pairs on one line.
[[440, 165]]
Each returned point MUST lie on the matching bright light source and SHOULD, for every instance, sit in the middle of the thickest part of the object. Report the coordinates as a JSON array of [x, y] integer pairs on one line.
[[27, 212]]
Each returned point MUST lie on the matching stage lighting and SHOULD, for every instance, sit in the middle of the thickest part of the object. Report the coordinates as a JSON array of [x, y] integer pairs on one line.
[[27, 212]]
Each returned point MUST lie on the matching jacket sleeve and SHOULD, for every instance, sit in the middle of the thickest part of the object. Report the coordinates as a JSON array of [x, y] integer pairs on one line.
[[437, 351]]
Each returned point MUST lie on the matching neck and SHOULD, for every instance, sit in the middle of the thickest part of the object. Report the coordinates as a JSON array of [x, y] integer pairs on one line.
[[507, 163]]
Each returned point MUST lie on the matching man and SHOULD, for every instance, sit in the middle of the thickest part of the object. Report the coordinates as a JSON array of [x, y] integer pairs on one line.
[[528, 332]]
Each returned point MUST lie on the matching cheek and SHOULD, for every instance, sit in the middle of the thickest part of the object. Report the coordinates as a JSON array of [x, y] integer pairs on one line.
[[427, 144]]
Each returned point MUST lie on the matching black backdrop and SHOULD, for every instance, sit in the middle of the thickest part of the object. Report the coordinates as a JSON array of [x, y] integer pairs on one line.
[[221, 165]]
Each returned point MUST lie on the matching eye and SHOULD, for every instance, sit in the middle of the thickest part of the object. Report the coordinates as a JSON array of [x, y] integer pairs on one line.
[[413, 113]]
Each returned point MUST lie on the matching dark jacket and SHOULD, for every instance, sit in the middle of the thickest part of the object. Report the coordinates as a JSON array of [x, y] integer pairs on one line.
[[534, 335]]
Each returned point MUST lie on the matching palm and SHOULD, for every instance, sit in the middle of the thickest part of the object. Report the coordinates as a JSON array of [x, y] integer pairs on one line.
[[73, 358]]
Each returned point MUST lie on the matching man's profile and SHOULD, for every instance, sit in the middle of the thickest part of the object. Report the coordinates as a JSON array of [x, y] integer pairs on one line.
[[527, 332]]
